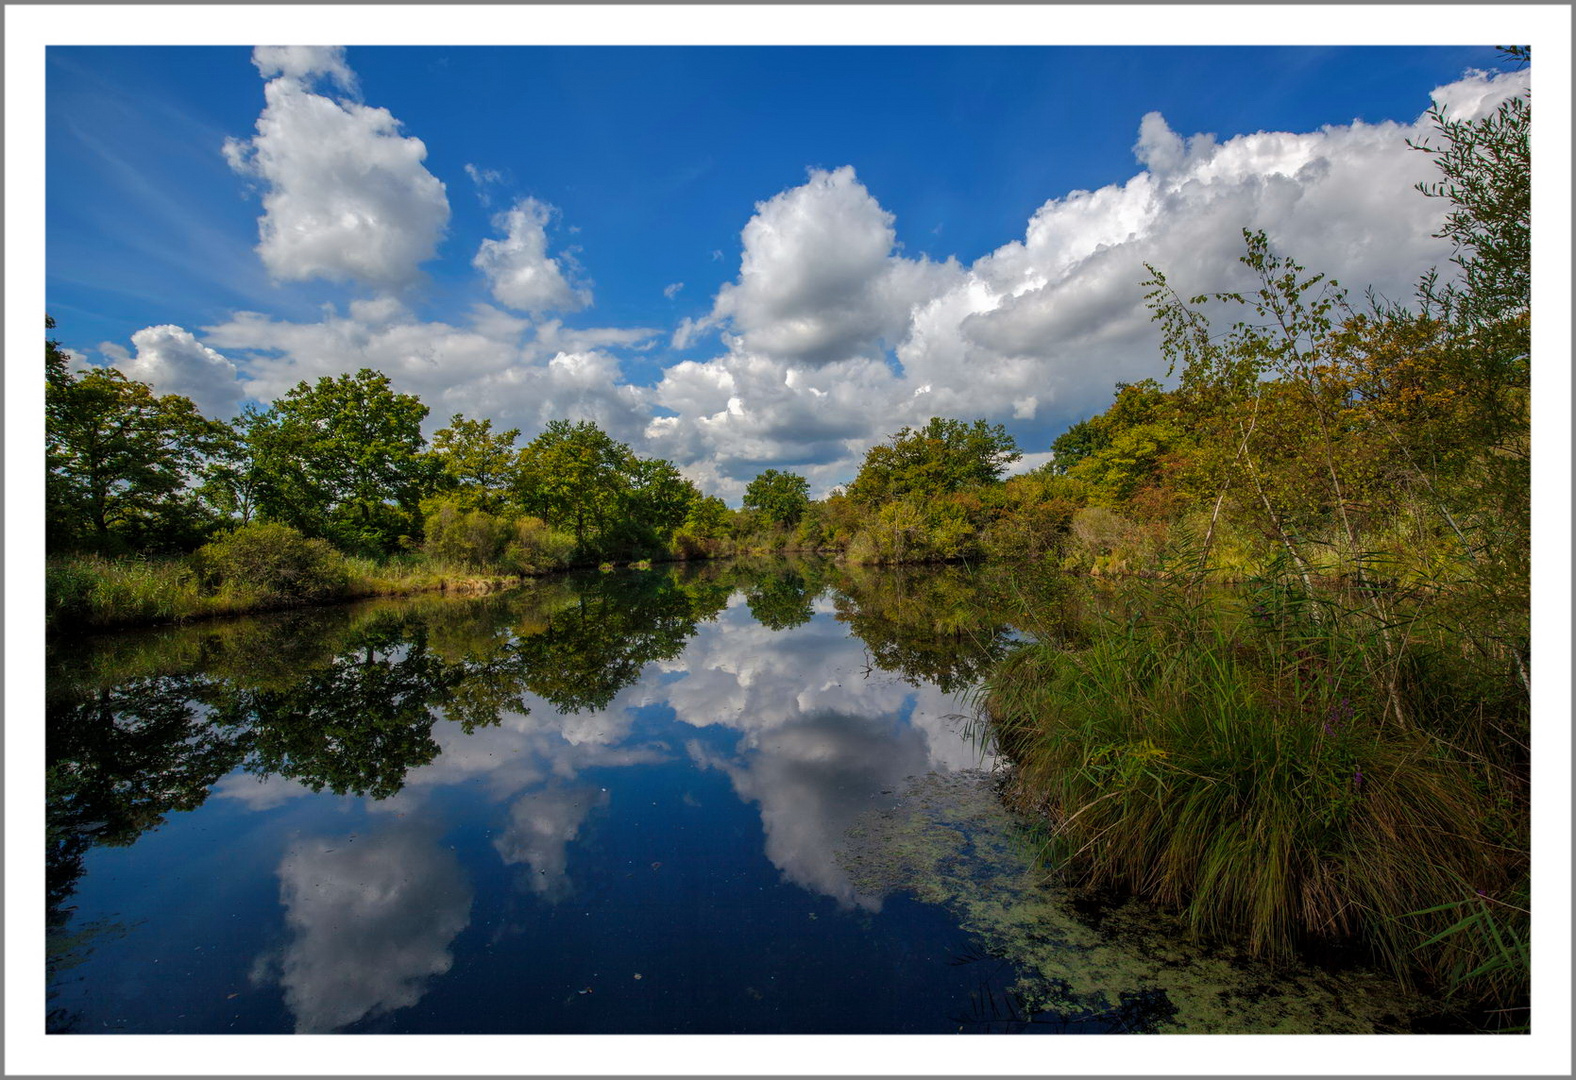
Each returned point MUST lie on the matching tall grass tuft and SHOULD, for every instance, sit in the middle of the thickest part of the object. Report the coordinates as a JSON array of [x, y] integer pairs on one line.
[[90, 591], [1276, 769], [261, 567]]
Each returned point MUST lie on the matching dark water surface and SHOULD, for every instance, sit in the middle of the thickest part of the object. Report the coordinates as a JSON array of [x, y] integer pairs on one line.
[[726, 799]]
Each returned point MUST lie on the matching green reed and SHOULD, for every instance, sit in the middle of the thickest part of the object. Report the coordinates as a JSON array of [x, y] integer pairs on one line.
[[1283, 770]]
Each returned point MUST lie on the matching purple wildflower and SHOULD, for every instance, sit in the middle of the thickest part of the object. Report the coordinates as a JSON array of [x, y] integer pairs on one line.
[[1337, 715]]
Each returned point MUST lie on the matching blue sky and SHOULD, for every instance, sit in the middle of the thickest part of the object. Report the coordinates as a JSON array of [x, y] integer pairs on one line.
[[734, 257]]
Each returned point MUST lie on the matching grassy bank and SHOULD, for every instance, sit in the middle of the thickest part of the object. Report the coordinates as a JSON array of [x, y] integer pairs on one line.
[[91, 592], [1286, 771]]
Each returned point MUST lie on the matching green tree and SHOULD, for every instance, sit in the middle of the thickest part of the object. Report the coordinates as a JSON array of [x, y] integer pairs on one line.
[[1126, 447], [57, 379], [659, 496], [232, 478], [343, 460], [1486, 175], [706, 522], [476, 464], [1078, 442], [575, 477], [57, 364], [121, 462], [942, 457], [781, 497], [1269, 403], [708, 517]]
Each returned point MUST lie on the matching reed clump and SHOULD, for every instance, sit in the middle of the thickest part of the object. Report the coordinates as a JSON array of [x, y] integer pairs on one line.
[[257, 567], [1284, 771], [90, 590]]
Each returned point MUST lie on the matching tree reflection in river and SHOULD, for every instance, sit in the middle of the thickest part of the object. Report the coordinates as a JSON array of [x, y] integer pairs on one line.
[[518, 695], [941, 625], [343, 699], [118, 761]]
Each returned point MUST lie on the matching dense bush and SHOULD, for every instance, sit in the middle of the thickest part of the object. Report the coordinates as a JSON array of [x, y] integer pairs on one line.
[[274, 561], [533, 547], [464, 537], [915, 530], [687, 545]]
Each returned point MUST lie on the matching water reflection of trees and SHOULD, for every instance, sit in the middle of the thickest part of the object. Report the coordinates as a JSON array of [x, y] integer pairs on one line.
[[589, 651], [942, 625], [346, 699], [118, 761], [343, 699], [356, 725], [781, 601]]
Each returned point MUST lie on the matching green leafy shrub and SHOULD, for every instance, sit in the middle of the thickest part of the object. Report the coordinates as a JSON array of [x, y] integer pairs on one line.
[[271, 561], [912, 530], [533, 547], [1103, 542], [689, 545], [465, 537]]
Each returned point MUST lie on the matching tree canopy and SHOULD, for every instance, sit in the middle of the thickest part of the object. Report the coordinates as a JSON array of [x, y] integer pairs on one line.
[[476, 464], [942, 457], [120, 460], [782, 497], [343, 459]]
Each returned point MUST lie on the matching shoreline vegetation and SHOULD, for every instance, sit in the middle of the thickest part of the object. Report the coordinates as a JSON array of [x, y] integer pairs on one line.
[[1298, 713]]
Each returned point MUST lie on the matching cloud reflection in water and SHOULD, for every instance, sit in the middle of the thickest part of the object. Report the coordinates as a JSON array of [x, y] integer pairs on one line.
[[371, 919]]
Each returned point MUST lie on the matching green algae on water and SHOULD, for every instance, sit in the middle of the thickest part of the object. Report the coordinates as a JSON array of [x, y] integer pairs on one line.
[[948, 840]]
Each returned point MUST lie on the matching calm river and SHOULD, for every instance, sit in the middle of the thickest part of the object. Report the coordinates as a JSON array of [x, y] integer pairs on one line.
[[717, 799]]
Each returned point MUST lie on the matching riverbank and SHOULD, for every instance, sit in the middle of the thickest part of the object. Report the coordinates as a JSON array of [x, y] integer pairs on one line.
[[94, 593], [1288, 771]]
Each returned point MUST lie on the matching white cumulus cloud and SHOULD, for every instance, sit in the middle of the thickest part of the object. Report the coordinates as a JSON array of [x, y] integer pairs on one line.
[[172, 361], [347, 197], [303, 62], [1037, 332], [519, 373], [831, 337], [1479, 93], [519, 271], [817, 282]]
